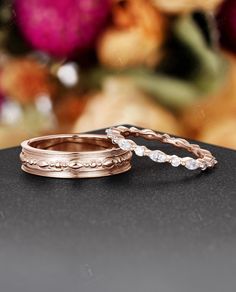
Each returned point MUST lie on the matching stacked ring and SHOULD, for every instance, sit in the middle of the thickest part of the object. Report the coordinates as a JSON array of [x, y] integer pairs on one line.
[[73, 156], [204, 159]]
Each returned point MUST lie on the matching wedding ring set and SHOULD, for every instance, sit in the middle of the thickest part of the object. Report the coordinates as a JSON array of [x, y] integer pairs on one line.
[[90, 155]]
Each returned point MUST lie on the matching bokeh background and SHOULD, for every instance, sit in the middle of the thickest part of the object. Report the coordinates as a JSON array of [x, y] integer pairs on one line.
[[78, 65]]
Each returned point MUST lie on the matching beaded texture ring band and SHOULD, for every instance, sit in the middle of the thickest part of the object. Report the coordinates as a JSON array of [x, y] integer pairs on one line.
[[204, 157], [73, 156]]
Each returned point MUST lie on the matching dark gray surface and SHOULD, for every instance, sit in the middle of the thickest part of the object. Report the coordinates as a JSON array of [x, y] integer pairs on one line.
[[155, 228]]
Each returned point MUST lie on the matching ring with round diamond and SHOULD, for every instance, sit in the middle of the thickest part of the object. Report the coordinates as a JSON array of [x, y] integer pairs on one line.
[[204, 159]]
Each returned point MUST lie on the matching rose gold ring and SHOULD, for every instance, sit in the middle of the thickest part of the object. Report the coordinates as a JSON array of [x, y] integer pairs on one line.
[[73, 156], [204, 157]]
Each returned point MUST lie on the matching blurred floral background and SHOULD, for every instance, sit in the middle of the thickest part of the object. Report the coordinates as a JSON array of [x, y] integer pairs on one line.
[[78, 65]]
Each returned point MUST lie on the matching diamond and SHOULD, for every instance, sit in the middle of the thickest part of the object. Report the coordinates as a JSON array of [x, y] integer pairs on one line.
[[139, 150], [124, 144], [109, 133], [204, 166], [175, 161], [114, 140], [158, 156], [191, 164]]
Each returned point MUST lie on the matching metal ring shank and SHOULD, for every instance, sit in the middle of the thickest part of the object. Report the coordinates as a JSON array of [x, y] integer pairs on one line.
[[73, 156]]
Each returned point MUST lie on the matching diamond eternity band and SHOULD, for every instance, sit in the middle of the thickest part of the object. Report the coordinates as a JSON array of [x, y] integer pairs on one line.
[[204, 160]]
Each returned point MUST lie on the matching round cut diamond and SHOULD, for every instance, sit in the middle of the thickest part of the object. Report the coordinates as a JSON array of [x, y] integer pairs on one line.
[[204, 166], [191, 164], [114, 140], [158, 156], [109, 133], [139, 150], [124, 144], [175, 161]]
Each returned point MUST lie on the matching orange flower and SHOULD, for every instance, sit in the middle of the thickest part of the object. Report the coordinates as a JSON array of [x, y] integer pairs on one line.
[[25, 79], [134, 38]]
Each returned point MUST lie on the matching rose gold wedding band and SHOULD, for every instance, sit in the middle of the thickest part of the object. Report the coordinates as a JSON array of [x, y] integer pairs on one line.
[[73, 156], [204, 160]]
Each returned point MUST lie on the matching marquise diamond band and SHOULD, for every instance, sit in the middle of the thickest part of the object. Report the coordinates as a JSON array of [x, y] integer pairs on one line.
[[118, 135]]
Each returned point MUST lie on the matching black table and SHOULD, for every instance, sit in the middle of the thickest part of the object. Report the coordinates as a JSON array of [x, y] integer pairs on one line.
[[155, 228]]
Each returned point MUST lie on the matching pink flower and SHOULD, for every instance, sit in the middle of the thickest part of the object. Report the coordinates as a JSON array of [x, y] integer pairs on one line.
[[60, 27]]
